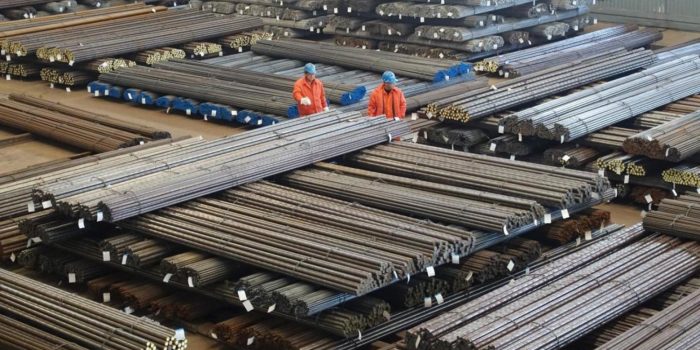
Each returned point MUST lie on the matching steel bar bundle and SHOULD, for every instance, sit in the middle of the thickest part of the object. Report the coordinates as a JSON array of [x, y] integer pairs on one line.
[[376, 61], [152, 56], [239, 41], [486, 101], [355, 267], [255, 332], [626, 164], [565, 231], [64, 128], [676, 51], [609, 286], [684, 106], [514, 145], [340, 93], [683, 174], [673, 327], [208, 271], [610, 138], [174, 263], [82, 270], [570, 155], [648, 195], [17, 335], [549, 186], [592, 109], [679, 217], [425, 199], [451, 136], [143, 185], [629, 41], [673, 141], [106, 65], [202, 49], [654, 118], [73, 317], [147, 252], [12, 241], [140, 32]]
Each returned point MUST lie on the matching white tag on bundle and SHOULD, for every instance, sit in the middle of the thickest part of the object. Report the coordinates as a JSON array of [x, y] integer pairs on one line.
[[547, 218], [588, 235], [106, 297], [106, 255], [167, 277], [565, 158], [427, 302], [565, 214], [439, 298], [501, 129], [124, 259], [627, 179], [242, 296], [455, 258], [13, 257], [179, 334], [190, 282], [578, 241], [648, 198], [271, 308], [248, 306], [71, 278], [100, 216], [128, 310], [30, 207], [430, 270], [601, 172], [46, 204], [81, 223], [250, 341], [511, 265]]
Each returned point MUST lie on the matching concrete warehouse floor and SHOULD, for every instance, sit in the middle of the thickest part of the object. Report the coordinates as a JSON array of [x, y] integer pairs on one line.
[[34, 151]]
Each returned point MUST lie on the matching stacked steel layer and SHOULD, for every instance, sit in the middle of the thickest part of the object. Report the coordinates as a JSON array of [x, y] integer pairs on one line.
[[679, 217], [520, 315], [673, 141]]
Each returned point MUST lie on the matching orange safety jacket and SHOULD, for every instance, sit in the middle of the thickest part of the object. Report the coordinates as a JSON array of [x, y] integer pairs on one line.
[[314, 91], [392, 104]]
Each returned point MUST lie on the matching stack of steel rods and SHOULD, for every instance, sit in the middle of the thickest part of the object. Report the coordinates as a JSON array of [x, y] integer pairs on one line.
[[654, 118], [55, 309], [145, 131], [376, 61], [611, 138], [106, 65], [486, 101], [211, 166], [65, 128], [570, 155], [140, 32], [174, 263], [679, 217], [340, 93], [549, 186], [684, 174], [673, 141], [18, 335], [239, 41], [208, 271], [626, 164], [579, 114], [675, 326], [520, 322], [147, 252], [12, 241], [441, 203]]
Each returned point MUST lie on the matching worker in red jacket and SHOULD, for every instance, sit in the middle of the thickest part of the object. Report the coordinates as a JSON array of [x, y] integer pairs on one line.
[[309, 93], [387, 99]]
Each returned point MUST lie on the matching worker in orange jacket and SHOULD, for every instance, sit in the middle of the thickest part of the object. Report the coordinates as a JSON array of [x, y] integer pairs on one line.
[[387, 99], [309, 93]]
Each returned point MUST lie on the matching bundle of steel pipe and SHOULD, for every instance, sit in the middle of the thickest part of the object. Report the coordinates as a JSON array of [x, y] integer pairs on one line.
[[684, 174], [339, 93], [375, 61], [142, 185], [444, 203], [570, 155], [547, 185], [486, 101], [64, 128], [17, 335], [679, 217], [672, 141], [579, 114], [675, 326], [527, 321], [52, 308], [140, 32]]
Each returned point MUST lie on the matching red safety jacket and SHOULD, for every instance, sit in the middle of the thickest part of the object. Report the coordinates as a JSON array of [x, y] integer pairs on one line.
[[392, 104], [314, 91]]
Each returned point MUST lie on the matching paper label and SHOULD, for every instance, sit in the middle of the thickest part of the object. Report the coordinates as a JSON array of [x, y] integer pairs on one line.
[[188, 111], [81, 223], [100, 216], [106, 255], [492, 147], [179, 334], [455, 258], [190, 282], [601, 172], [501, 129], [511, 265], [505, 231], [565, 158], [46, 204], [242, 296], [271, 308], [248, 306], [13, 257], [469, 276], [427, 302], [547, 218], [106, 297], [250, 341], [588, 235], [30, 207], [512, 157], [167, 277], [565, 213], [627, 179], [128, 310], [439, 298], [648, 198], [578, 241], [430, 270], [124, 259]]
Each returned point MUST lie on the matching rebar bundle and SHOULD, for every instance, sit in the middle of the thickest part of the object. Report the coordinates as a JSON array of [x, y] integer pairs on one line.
[[106, 65], [239, 41], [173, 264], [110, 38], [673, 141], [487, 101], [626, 164], [579, 226], [257, 154], [570, 155], [51, 308], [678, 217], [610, 138], [683, 174], [375, 61], [18, 335], [549, 186], [202, 49], [340, 93], [592, 109], [528, 320], [153, 56], [62, 127], [147, 252], [654, 118], [208, 271], [255, 332]]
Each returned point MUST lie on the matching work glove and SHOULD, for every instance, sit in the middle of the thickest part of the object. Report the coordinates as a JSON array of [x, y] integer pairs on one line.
[[305, 101], [326, 109]]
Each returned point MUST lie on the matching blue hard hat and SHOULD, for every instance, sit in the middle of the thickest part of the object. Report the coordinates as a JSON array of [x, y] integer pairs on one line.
[[309, 68], [389, 77]]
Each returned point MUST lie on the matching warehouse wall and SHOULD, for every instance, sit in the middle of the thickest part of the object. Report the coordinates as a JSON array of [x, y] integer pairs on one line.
[[677, 14]]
